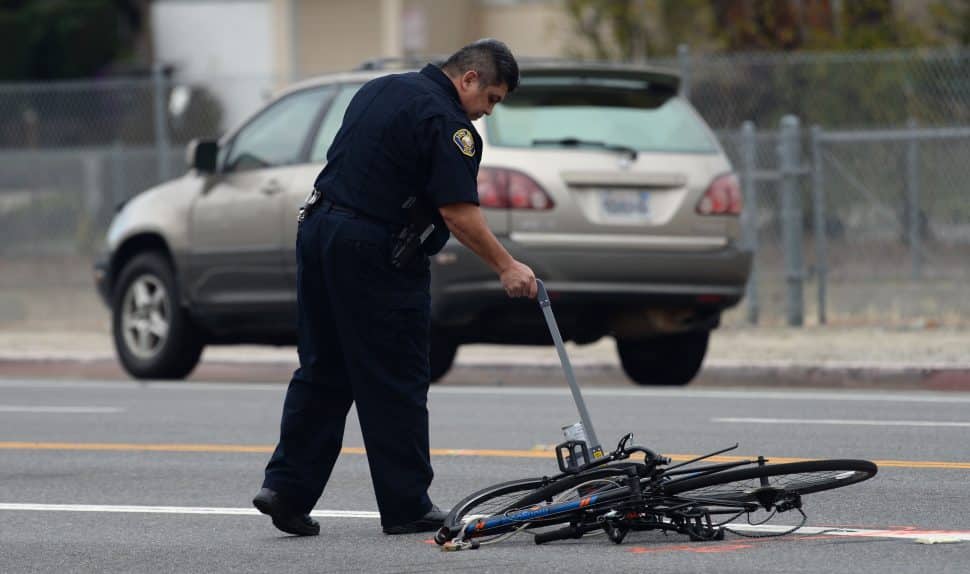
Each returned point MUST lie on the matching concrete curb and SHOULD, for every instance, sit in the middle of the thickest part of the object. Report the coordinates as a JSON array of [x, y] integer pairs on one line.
[[938, 377]]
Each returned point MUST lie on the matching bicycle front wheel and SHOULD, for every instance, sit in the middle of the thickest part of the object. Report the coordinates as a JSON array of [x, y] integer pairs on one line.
[[750, 484], [486, 502], [526, 503]]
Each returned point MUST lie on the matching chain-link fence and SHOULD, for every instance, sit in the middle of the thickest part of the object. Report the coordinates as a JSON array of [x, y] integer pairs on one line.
[[856, 227], [70, 152], [861, 90], [887, 157], [887, 244]]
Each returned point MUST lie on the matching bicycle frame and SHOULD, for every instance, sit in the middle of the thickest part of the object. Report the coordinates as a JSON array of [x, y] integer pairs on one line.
[[650, 474], [646, 497], [643, 502]]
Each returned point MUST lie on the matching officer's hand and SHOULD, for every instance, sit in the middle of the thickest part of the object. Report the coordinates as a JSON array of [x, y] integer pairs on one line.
[[519, 280]]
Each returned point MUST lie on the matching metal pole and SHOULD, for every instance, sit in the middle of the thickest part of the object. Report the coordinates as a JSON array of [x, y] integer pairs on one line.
[[161, 125], [118, 192], [749, 217], [821, 237], [683, 59], [837, 18], [791, 217], [639, 41], [912, 197], [543, 296], [92, 166], [293, 19]]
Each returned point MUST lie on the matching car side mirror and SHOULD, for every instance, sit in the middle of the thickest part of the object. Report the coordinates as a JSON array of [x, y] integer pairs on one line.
[[201, 155]]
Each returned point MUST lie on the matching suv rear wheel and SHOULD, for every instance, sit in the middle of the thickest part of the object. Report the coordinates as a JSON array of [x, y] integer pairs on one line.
[[669, 360], [153, 335]]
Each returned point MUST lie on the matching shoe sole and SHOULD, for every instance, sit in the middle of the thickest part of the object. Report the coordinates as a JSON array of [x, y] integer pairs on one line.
[[413, 528], [263, 506], [267, 508]]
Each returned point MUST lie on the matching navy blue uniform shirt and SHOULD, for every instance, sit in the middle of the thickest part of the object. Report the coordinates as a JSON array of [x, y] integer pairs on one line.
[[404, 135]]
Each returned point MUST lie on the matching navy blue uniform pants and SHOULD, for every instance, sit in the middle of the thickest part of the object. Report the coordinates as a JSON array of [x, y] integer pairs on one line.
[[363, 338]]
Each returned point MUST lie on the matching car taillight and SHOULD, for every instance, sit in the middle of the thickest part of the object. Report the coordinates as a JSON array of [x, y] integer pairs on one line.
[[723, 197], [510, 189]]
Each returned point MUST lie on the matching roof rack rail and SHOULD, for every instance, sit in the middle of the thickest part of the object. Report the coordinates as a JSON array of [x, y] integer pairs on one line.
[[400, 63]]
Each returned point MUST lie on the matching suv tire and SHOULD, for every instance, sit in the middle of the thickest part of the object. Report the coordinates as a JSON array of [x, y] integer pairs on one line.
[[441, 353], [153, 335], [669, 360]]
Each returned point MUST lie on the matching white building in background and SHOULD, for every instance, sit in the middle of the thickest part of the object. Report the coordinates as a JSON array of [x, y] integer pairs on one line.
[[243, 50], [226, 45]]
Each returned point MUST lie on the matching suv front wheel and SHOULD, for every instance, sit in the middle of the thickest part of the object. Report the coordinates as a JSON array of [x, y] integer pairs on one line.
[[153, 335], [668, 360]]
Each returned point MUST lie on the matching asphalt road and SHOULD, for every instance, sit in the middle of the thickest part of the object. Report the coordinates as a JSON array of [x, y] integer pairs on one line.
[[127, 477]]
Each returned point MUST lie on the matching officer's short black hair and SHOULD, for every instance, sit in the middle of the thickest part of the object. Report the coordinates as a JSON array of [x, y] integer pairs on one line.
[[491, 58]]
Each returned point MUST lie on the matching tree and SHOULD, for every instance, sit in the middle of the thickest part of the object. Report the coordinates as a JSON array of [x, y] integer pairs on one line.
[[634, 29], [747, 25], [951, 19], [631, 29], [60, 39]]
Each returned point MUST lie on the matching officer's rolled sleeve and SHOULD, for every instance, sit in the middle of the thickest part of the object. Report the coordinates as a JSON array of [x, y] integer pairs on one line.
[[455, 152]]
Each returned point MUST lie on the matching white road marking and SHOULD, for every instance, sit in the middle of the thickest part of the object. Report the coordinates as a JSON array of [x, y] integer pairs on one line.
[[847, 422], [173, 510], [59, 410], [902, 533], [786, 395]]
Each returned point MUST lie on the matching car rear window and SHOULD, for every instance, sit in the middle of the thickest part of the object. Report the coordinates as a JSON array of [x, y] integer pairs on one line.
[[617, 112]]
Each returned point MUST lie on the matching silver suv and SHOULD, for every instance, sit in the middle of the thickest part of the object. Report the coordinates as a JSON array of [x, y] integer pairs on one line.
[[599, 177]]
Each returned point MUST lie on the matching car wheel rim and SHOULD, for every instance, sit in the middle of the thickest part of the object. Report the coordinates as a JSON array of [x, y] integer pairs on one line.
[[145, 316]]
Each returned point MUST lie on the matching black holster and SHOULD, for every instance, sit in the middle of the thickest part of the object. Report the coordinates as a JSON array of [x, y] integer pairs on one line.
[[406, 243]]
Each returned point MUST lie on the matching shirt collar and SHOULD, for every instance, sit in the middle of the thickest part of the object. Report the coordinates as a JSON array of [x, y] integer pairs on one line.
[[435, 74]]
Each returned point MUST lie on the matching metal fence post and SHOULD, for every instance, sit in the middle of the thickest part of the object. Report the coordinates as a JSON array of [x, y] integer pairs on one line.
[[92, 165], [161, 125], [913, 200], [821, 236], [749, 217], [683, 61], [118, 191], [789, 152]]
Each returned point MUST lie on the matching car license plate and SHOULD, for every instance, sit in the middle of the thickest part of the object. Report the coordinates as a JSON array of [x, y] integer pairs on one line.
[[625, 204]]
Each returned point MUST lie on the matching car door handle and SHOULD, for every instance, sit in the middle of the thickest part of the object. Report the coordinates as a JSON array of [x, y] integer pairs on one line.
[[271, 187]]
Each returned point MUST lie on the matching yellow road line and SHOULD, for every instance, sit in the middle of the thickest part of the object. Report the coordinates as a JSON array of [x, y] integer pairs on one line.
[[496, 453]]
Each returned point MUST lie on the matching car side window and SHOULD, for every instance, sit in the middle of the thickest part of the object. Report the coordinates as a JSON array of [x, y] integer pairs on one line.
[[331, 123], [276, 136]]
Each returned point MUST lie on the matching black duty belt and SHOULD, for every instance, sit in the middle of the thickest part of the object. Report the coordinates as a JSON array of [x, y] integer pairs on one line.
[[406, 239], [330, 207], [316, 201]]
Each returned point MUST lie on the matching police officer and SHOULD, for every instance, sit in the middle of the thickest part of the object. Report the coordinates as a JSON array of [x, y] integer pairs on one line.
[[400, 175]]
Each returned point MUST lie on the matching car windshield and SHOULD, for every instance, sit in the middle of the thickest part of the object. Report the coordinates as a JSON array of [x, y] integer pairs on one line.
[[609, 116]]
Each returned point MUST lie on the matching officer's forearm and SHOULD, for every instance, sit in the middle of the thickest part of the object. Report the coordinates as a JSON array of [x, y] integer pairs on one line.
[[467, 223]]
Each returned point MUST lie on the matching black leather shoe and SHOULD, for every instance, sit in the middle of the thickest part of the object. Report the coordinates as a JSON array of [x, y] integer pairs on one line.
[[433, 520], [268, 502]]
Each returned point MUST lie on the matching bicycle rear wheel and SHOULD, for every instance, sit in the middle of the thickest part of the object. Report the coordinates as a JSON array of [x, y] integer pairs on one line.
[[752, 484], [536, 495]]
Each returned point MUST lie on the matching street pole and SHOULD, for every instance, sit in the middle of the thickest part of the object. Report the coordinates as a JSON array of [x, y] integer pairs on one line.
[[791, 218], [749, 217]]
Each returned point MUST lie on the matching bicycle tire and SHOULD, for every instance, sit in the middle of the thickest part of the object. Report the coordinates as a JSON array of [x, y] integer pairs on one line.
[[498, 494], [507, 496], [806, 477]]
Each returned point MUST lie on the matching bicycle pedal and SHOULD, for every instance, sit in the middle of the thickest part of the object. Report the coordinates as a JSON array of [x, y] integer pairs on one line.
[[456, 545]]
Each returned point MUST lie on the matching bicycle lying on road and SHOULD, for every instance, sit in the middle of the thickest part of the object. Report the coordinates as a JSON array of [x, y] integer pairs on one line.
[[611, 493]]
